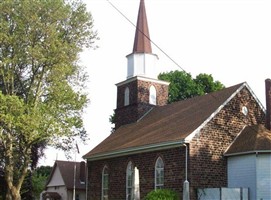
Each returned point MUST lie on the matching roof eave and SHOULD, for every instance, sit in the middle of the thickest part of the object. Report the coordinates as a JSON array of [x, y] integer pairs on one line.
[[135, 150], [247, 152]]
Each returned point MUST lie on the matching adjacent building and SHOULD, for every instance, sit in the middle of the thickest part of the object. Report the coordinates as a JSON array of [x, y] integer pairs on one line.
[[66, 179]]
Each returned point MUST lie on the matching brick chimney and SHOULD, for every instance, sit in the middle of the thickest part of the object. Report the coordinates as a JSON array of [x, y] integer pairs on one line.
[[82, 174], [268, 103]]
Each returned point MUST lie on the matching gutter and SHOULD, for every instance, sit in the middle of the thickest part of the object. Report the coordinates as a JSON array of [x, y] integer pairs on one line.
[[247, 152], [135, 150]]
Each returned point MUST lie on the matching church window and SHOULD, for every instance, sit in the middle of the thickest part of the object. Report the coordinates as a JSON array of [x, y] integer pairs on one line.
[[130, 181], [105, 183], [152, 97], [126, 96], [159, 173]]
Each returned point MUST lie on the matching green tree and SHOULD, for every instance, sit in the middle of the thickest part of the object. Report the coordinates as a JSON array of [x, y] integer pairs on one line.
[[42, 95], [183, 86], [39, 179], [162, 194]]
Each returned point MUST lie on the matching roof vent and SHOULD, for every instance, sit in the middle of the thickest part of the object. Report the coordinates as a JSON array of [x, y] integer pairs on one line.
[[245, 110]]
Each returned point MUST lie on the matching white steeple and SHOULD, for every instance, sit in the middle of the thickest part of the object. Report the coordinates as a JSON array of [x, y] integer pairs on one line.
[[142, 62]]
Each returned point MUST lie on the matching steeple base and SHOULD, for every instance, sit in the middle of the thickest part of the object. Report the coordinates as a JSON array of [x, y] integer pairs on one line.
[[142, 64]]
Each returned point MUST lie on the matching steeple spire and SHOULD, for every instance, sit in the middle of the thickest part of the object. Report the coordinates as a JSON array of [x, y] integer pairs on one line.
[[142, 62], [142, 42]]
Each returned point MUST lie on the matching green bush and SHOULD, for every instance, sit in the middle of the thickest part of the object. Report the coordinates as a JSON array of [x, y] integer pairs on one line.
[[162, 194]]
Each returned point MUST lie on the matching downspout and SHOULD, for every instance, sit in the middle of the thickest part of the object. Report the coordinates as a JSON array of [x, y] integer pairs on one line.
[[186, 195]]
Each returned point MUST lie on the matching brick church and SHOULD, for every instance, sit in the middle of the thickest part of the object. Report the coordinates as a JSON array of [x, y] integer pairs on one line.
[[158, 145]]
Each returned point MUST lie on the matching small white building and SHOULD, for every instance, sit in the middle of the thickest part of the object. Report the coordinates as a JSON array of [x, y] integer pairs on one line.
[[249, 162], [249, 156], [60, 185]]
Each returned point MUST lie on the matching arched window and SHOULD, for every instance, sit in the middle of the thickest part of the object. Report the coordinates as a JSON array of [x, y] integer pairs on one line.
[[130, 181], [159, 173], [105, 183], [152, 97], [126, 96]]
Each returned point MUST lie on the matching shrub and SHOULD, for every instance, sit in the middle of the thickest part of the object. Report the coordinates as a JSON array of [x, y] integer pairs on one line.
[[162, 194]]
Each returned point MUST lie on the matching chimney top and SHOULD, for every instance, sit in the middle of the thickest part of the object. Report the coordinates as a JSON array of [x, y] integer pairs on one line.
[[268, 103]]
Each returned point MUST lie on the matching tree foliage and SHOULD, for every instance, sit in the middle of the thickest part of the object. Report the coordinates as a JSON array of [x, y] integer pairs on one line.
[[39, 179], [183, 86], [162, 194], [41, 83]]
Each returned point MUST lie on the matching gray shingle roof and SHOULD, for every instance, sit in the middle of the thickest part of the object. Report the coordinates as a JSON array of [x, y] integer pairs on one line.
[[165, 124], [252, 139], [67, 172]]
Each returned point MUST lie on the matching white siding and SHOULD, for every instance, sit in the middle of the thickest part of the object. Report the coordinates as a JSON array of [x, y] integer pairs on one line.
[[56, 179], [242, 173], [264, 177], [142, 64]]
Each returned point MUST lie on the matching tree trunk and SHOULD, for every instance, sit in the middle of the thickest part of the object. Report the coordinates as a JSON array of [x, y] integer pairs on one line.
[[8, 195], [13, 194]]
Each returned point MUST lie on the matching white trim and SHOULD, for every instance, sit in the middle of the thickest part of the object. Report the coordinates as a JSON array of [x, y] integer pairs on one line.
[[248, 152], [255, 97], [152, 96], [142, 78], [135, 150], [145, 114]]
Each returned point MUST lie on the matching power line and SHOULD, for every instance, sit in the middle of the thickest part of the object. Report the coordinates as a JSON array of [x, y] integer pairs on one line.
[[162, 50], [146, 36]]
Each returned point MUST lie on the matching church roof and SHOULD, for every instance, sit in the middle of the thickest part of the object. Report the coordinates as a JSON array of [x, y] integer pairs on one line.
[[251, 139], [165, 125], [142, 42]]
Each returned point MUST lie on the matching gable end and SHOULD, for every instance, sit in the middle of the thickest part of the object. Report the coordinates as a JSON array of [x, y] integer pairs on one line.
[[197, 131]]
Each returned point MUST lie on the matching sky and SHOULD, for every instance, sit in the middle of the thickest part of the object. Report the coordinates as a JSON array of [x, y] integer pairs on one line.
[[229, 39]]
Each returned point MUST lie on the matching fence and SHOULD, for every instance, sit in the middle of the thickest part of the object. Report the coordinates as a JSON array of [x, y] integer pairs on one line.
[[223, 194]]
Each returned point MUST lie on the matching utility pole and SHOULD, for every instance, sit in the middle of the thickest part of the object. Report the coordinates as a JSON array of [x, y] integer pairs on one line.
[[74, 171]]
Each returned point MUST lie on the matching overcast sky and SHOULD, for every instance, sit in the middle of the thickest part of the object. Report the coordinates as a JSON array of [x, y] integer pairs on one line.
[[229, 39]]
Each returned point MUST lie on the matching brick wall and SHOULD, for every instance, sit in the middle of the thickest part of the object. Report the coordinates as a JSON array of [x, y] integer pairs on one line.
[[208, 166], [145, 162], [138, 101]]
